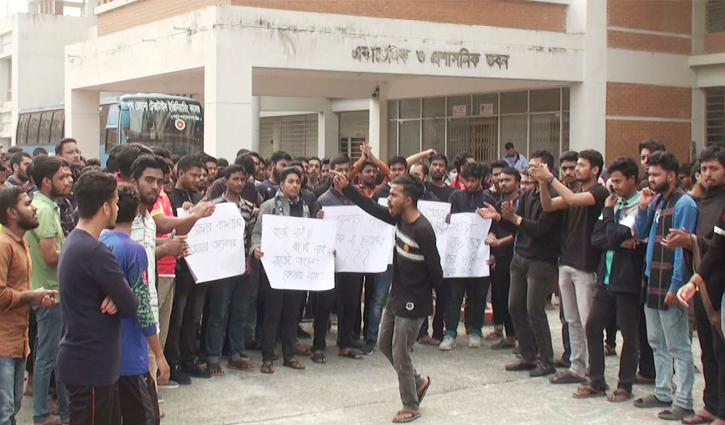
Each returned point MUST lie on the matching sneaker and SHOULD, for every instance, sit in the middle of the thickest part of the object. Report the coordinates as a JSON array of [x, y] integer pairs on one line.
[[369, 347], [171, 385], [196, 371], [448, 343], [180, 377], [542, 369], [474, 341]]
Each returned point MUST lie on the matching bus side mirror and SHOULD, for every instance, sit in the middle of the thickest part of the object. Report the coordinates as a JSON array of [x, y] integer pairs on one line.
[[125, 117]]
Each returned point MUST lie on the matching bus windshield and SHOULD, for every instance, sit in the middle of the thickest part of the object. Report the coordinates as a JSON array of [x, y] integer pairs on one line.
[[174, 124]]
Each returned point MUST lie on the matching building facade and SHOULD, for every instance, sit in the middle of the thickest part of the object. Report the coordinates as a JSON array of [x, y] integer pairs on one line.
[[318, 77]]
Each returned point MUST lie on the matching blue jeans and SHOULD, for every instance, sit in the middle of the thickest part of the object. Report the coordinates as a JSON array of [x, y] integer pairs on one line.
[[220, 294], [12, 372], [242, 309], [50, 329], [669, 336], [380, 297]]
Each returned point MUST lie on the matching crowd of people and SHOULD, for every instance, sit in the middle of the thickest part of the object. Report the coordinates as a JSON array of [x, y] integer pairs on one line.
[[99, 308]]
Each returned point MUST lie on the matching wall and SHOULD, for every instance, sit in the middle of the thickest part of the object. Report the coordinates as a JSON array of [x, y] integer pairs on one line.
[[538, 16]]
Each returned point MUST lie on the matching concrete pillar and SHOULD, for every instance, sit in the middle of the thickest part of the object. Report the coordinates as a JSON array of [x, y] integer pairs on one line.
[[255, 123], [699, 120], [588, 120], [229, 122], [328, 131], [82, 122], [378, 130]]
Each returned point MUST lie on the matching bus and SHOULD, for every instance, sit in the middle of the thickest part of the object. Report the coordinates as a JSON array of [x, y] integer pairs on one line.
[[174, 122]]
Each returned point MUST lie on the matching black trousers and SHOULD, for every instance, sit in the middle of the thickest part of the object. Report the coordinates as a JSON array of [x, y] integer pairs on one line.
[[443, 296], [500, 286], [713, 361], [185, 321], [139, 402], [94, 405], [281, 308], [476, 288], [646, 356], [626, 308]]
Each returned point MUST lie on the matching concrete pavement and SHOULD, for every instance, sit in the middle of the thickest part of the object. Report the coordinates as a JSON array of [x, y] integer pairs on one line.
[[468, 386]]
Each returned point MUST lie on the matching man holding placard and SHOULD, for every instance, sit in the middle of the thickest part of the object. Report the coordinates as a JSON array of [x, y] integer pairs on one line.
[[467, 201], [232, 298], [347, 285], [281, 306], [416, 270]]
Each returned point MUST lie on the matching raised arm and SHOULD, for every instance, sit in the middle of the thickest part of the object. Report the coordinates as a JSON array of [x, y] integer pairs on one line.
[[359, 199], [566, 197], [419, 156]]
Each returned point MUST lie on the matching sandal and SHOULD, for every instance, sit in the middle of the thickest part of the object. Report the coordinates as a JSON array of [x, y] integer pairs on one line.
[[319, 357], [503, 344], [493, 336], [566, 377], [241, 364], [423, 389], [587, 391], [293, 364], [268, 368], [302, 350], [699, 418], [215, 369], [619, 395], [406, 415], [650, 401], [351, 354]]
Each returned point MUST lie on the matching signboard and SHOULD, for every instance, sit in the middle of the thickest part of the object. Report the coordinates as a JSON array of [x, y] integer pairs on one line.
[[460, 110], [487, 109]]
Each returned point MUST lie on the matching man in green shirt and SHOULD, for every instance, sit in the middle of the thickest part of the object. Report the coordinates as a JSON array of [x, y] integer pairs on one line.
[[52, 176]]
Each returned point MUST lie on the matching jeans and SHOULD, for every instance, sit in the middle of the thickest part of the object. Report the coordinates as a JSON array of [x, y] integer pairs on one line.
[[50, 330], [186, 314], [500, 285], [380, 297], [324, 300], [646, 357], [442, 299], [12, 373], [668, 334], [243, 300], [530, 285], [713, 360], [281, 307], [564, 334], [397, 337], [605, 305], [220, 295], [477, 289], [166, 302], [577, 289]]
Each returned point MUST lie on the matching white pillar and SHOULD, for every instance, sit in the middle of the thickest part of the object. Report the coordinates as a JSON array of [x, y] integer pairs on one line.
[[378, 130], [699, 120], [82, 122], [328, 131], [255, 123], [588, 108], [228, 108]]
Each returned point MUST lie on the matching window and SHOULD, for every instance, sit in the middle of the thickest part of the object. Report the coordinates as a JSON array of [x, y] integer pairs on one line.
[[57, 126], [545, 134], [715, 15], [434, 134], [715, 116], [21, 137], [459, 106], [485, 104], [434, 107], [33, 128], [409, 138], [409, 108], [545, 100], [514, 102], [44, 132], [514, 129]]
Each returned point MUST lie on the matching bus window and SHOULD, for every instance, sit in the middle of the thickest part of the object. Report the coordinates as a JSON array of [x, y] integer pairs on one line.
[[33, 128], [44, 133], [21, 138], [56, 126]]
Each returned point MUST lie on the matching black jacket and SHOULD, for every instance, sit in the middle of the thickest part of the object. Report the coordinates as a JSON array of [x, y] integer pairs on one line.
[[462, 201], [627, 264]]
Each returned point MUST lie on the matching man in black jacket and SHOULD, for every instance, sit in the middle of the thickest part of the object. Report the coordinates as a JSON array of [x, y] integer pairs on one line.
[[619, 283], [416, 270], [467, 201], [533, 270]]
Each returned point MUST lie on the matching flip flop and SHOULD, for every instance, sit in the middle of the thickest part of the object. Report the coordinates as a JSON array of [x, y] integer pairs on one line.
[[587, 391], [422, 392], [267, 368], [620, 395], [241, 364], [215, 369], [697, 419], [406, 415], [294, 364], [351, 354], [319, 357], [566, 377]]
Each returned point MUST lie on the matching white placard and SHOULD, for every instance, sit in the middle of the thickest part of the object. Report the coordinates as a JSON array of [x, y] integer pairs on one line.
[[436, 213], [216, 244], [466, 251], [298, 253], [363, 242], [384, 202]]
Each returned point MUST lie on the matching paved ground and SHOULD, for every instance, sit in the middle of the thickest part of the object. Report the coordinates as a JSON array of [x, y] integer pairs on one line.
[[468, 386]]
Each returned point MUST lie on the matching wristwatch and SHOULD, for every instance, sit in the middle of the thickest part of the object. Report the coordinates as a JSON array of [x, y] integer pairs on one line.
[[550, 179], [519, 220]]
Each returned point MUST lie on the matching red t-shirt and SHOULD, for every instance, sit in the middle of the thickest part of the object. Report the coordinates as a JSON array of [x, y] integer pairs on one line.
[[166, 266]]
